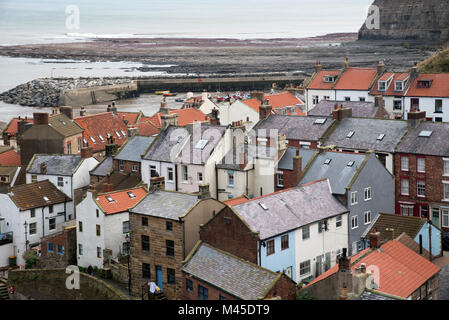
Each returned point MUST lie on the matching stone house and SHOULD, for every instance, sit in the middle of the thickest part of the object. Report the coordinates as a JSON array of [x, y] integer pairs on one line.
[[164, 229], [234, 279]]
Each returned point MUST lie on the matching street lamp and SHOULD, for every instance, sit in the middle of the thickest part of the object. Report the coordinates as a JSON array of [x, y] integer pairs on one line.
[[26, 236], [129, 257]]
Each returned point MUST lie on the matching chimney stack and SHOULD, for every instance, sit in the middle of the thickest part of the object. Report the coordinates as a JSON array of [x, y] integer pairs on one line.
[[344, 262], [341, 113], [265, 109], [259, 95], [169, 119], [204, 192], [68, 111], [318, 67], [379, 101], [133, 132], [414, 118], [87, 152], [414, 71], [345, 63], [380, 68], [164, 109], [82, 111], [43, 168], [374, 240], [297, 167], [41, 118], [242, 158], [214, 119], [157, 183]]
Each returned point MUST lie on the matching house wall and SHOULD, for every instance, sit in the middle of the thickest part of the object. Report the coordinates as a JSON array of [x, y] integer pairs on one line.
[[238, 111], [113, 232], [389, 106], [240, 184], [81, 177], [67, 239], [435, 290], [321, 94], [161, 168], [435, 239], [6, 251], [192, 184], [354, 94], [127, 166], [263, 177], [427, 104], [228, 233], [74, 142], [207, 106], [373, 175], [213, 292]]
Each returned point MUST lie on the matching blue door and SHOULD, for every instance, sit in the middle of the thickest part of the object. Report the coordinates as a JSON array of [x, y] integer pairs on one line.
[[159, 276]]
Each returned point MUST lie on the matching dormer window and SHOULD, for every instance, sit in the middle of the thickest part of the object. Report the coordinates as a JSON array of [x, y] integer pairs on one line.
[[382, 86], [424, 83], [329, 79], [398, 86]]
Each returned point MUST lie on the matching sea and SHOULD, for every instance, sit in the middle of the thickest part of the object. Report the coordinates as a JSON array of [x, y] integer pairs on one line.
[[59, 21]]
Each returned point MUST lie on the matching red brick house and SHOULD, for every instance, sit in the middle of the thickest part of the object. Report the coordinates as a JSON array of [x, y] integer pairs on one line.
[[234, 279], [422, 171]]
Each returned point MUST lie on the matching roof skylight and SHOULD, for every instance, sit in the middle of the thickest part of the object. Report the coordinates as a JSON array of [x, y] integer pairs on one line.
[[380, 137], [109, 198], [201, 144], [327, 161], [263, 205], [320, 121], [131, 195], [350, 134], [425, 133]]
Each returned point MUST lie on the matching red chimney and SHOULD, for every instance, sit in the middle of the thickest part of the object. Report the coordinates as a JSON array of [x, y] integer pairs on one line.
[[87, 152], [297, 168], [41, 118], [68, 111], [374, 240], [265, 110]]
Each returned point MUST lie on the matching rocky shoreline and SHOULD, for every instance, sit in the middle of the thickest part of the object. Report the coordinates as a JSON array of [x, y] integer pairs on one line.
[[45, 92]]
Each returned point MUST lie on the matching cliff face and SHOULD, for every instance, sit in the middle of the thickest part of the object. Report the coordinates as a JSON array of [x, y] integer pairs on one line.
[[422, 20]]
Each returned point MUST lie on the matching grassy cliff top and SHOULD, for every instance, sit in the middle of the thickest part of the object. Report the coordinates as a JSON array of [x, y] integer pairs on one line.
[[437, 63]]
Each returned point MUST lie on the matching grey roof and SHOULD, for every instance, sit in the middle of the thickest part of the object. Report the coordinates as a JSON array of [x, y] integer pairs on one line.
[[366, 295], [290, 209], [103, 168], [295, 127], [229, 273], [134, 148], [436, 145], [232, 159], [366, 132], [165, 204], [337, 171], [360, 109], [57, 164], [286, 161]]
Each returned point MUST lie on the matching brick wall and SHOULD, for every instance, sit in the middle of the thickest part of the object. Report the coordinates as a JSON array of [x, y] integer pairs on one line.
[[156, 256], [127, 166], [284, 288], [228, 233], [67, 239]]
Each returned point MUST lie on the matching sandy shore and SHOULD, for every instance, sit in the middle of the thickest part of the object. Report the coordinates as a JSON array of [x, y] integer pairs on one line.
[[228, 56]]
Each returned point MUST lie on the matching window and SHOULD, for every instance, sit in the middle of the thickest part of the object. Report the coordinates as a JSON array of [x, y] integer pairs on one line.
[[326, 98], [135, 168], [220, 297], [382, 86], [146, 271], [69, 147], [50, 247], [305, 232], [407, 211], [270, 247], [347, 98], [203, 293], [52, 224], [98, 230], [93, 140], [421, 164], [121, 166], [144, 221], [420, 188], [424, 211], [126, 248], [131, 195], [414, 104], [101, 137], [170, 248], [118, 134], [353, 197], [404, 163], [98, 252], [79, 145], [170, 276], [367, 193], [60, 181], [33, 178], [80, 226], [304, 268], [153, 172], [169, 225], [33, 228], [314, 99], [170, 174], [231, 178], [200, 177], [280, 179], [33, 213], [50, 209], [189, 285], [398, 86], [322, 225], [339, 221], [97, 212], [438, 106], [362, 99], [438, 119], [80, 249], [60, 249], [446, 191], [145, 243], [354, 222], [185, 177], [284, 242], [125, 226], [367, 217], [445, 217], [397, 105], [404, 187]]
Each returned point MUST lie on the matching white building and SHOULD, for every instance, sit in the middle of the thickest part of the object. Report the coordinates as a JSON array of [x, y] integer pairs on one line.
[[103, 223], [28, 213]]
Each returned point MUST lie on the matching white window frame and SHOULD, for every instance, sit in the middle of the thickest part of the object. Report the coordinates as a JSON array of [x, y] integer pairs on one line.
[[409, 210], [170, 171], [135, 168], [403, 167], [338, 220], [418, 182], [354, 199], [445, 192], [446, 167], [354, 222], [200, 177], [305, 268], [367, 191], [419, 163], [315, 99], [305, 233], [280, 179], [402, 187], [185, 173], [444, 213], [365, 214]]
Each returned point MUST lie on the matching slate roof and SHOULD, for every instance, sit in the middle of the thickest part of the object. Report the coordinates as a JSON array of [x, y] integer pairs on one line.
[[286, 161], [122, 200], [295, 127], [359, 109], [290, 209], [232, 159], [435, 145], [337, 171], [61, 123], [57, 164], [366, 133], [164, 144], [134, 148], [367, 295], [103, 168], [229, 273], [165, 204], [29, 196], [410, 225]]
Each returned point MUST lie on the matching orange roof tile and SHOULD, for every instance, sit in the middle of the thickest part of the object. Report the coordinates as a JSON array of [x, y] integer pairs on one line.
[[318, 81], [10, 158], [131, 117], [185, 117], [236, 201], [402, 271], [439, 87], [278, 100], [147, 129], [102, 124], [253, 104], [356, 79], [122, 201], [12, 127], [390, 90]]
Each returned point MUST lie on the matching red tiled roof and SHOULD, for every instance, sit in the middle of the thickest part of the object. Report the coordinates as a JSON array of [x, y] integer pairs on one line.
[[131, 117], [10, 158], [318, 81], [253, 104], [185, 117], [278, 100], [390, 91], [102, 124], [236, 201], [401, 270], [147, 129], [122, 201], [12, 127], [356, 79], [439, 87]]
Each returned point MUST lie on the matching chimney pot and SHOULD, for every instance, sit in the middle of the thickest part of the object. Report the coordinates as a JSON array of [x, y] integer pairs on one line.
[[374, 239]]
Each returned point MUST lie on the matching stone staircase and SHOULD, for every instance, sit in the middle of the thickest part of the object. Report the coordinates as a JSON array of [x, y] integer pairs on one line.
[[160, 296], [4, 289]]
